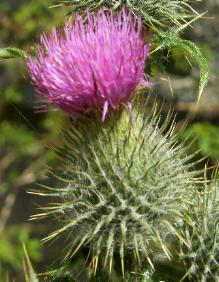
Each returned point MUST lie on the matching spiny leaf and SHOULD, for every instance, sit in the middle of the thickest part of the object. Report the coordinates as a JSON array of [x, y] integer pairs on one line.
[[12, 53], [195, 53], [30, 275], [171, 40]]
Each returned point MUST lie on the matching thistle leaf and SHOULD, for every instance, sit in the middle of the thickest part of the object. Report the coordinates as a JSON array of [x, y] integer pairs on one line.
[[12, 53], [193, 51], [171, 40]]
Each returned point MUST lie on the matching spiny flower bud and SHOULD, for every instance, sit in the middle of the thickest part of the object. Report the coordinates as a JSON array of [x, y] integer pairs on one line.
[[91, 66], [201, 256], [159, 13], [125, 187]]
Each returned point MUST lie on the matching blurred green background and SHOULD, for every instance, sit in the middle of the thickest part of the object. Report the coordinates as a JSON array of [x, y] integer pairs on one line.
[[25, 134], [24, 139]]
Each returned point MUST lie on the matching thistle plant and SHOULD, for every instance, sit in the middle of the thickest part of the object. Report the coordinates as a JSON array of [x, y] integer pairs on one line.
[[124, 184], [125, 187]]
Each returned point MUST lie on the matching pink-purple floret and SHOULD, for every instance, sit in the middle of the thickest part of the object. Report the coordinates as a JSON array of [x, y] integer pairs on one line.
[[90, 66]]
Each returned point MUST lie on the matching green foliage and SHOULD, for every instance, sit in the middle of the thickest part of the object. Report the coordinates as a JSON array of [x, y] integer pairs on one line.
[[11, 249], [180, 65], [24, 134], [25, 23], [161, 13], [18, 147], [25, 142], [124, 188], [171, 40], [11, 53], [207, 138]]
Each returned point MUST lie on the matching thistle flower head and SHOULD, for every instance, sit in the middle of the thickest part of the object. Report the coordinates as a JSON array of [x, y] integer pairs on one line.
[[93, 65]]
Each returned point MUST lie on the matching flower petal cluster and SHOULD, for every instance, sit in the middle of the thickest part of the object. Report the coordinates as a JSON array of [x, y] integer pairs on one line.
[[91, 65]]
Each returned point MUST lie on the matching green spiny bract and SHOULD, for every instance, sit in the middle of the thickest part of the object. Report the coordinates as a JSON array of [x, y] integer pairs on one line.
[[201, 257], [160, 13], [125, 187]]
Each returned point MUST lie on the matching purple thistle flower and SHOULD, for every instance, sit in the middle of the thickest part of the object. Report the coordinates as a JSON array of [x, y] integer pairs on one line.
[[93, 65]]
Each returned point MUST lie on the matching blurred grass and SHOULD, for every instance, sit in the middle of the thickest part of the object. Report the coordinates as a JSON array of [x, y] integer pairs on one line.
[[25, 135]]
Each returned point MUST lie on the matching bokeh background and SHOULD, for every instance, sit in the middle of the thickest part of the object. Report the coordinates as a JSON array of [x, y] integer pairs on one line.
[[26, 133]]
